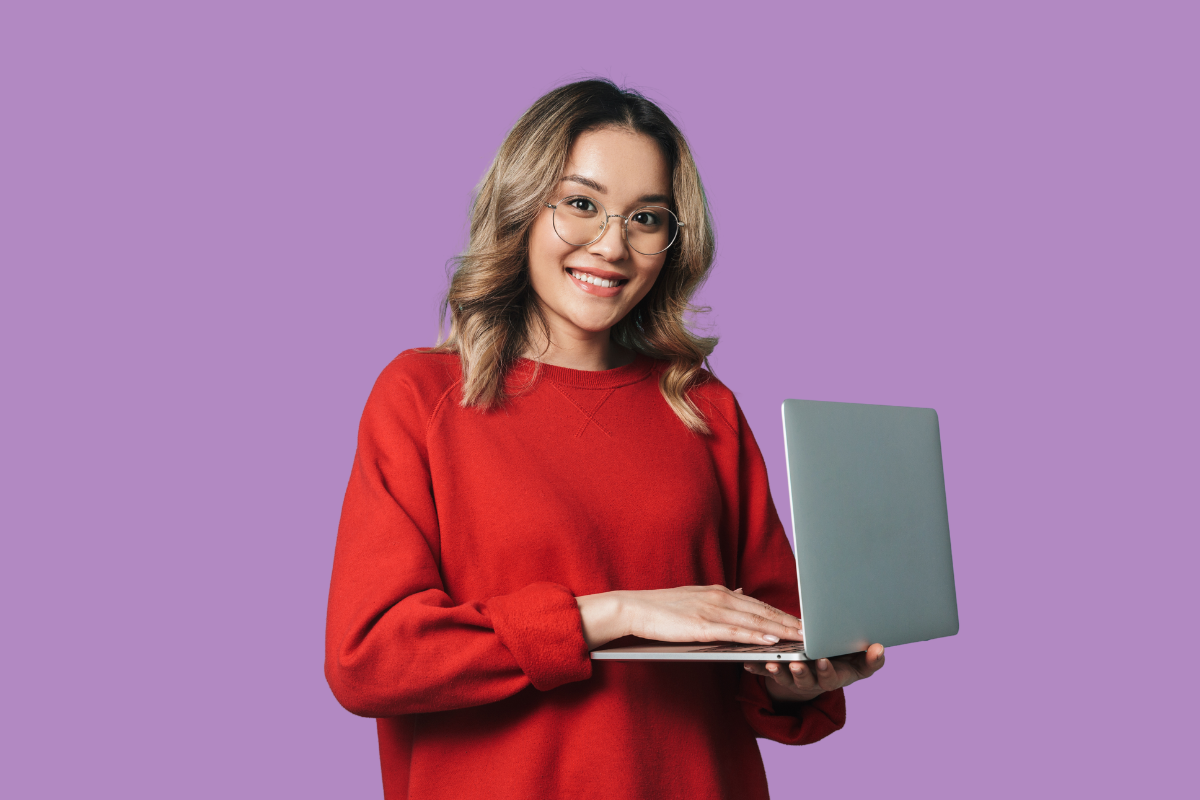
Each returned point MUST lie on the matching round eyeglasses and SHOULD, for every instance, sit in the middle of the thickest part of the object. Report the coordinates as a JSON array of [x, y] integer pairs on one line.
[[580, 220]]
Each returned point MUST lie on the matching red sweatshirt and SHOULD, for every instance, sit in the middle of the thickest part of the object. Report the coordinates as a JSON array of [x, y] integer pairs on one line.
[[465, 538]]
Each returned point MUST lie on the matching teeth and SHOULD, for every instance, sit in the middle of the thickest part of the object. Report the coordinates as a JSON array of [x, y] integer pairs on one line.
[[592, 279]]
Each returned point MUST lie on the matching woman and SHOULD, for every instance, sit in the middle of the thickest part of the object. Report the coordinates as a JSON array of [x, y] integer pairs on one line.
[[561, 473]]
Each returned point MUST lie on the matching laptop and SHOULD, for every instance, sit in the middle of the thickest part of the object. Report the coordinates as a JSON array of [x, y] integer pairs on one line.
[[872, 540]]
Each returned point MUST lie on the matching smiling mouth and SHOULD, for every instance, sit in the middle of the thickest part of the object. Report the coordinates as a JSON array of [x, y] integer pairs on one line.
[[603, 283]]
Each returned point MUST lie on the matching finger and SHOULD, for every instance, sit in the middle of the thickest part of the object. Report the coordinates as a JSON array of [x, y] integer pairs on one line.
[[732, 627], [874, 659], [781, 676], [796, 678], [730, 608], [827, 675], [724, 615], [757, 668], [861, 665], [770, 669], [803, 677], [768, 612], [739, 595], [756, 626]]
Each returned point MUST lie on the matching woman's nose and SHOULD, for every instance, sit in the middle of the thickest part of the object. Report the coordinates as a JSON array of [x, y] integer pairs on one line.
[[611, 245]]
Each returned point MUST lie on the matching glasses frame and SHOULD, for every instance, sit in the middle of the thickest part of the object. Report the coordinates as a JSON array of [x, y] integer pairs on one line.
[[604, 227]]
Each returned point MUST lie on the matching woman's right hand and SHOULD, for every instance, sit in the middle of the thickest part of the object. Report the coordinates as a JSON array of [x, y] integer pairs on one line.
[[684, 614]]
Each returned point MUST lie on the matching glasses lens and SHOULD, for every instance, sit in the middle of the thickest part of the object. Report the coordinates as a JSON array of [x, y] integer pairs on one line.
[[578, 220], [652, 229]]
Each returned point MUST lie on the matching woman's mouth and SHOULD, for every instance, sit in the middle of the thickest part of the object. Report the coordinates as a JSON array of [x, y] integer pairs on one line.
[[596, 285]]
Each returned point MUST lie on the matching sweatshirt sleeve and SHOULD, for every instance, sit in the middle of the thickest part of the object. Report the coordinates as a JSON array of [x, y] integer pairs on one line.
[[766, 572], [395, 642]]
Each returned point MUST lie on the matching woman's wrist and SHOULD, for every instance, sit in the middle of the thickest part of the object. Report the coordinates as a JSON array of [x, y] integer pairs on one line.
[[603, 617]]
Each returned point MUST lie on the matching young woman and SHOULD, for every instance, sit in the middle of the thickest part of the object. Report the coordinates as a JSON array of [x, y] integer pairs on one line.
[[561, 473]]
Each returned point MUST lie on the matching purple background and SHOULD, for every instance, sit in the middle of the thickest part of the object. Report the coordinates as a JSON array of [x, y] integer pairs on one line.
[[218, 224]]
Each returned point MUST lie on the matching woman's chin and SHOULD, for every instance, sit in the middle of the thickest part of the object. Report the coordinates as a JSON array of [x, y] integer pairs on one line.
[[594, 326]]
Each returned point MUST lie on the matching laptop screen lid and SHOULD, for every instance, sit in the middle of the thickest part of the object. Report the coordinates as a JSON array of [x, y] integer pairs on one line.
[[868, 501]]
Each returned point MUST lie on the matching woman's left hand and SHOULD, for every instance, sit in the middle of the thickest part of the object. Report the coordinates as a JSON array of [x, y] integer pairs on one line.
[[800, 681]]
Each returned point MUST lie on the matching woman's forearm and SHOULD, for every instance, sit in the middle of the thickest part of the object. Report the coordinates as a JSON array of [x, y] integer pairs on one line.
[[603, 618]]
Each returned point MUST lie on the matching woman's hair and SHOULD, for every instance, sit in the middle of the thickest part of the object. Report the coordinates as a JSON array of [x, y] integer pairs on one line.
[[492, 306]]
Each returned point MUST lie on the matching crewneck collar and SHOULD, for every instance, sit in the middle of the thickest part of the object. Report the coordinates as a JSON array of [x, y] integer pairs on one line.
[[632, 372]]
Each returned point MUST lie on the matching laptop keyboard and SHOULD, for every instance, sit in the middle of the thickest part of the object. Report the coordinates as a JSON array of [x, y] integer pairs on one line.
[[791, 647]]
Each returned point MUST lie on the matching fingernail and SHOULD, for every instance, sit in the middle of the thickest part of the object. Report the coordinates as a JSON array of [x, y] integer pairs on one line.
[[770, 638], [823, 665]]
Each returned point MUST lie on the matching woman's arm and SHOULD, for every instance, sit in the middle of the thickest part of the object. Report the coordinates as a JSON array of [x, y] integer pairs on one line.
[[396, 642]]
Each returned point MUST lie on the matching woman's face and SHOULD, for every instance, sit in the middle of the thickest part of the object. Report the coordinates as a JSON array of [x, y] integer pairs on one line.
[[624, 171]]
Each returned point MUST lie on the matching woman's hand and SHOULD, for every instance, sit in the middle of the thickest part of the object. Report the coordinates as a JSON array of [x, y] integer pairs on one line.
[[804, 680], [684, 614]]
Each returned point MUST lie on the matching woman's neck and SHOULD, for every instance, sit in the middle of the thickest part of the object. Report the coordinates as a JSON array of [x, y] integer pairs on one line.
[[591, 353]]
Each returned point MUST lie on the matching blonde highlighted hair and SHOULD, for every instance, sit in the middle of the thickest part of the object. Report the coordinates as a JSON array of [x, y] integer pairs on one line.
[[491, 304]]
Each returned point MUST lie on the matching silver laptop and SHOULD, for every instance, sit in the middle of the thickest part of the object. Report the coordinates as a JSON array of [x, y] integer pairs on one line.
[[868, 501]]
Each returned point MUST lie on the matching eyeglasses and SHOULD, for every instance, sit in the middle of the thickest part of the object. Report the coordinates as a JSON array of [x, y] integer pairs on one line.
[[580, 220]]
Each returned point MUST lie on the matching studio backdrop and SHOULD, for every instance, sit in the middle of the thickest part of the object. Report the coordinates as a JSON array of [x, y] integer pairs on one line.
[[219, 221]]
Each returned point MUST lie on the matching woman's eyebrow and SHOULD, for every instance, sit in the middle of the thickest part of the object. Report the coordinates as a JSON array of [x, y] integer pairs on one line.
[[588, 182], [591, 184]]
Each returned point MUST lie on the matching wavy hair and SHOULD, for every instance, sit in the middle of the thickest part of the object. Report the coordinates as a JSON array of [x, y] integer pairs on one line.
[[491, 303]]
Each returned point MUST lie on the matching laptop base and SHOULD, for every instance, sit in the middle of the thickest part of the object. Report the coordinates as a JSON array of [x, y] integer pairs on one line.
[[703, 651]]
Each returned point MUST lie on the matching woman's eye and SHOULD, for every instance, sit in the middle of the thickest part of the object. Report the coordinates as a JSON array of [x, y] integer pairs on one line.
[[582, 204], [647, 218]]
